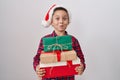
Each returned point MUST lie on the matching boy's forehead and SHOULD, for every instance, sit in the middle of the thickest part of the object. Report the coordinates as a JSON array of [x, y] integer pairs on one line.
[[60, 12]]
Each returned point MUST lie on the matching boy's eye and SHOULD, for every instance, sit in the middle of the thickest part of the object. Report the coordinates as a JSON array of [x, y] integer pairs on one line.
[[65, 18], [57, 18]]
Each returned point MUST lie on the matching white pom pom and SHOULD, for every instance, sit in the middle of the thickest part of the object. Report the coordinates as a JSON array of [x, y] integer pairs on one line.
[[46, 23]]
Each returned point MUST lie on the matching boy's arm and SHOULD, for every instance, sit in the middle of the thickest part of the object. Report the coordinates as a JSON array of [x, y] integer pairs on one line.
[[36, 58], [77, 48]]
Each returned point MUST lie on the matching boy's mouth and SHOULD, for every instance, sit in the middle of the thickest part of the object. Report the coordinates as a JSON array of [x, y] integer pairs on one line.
[[61, 25]]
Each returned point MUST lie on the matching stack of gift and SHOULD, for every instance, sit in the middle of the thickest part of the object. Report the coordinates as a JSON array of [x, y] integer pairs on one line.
[[58, 57]]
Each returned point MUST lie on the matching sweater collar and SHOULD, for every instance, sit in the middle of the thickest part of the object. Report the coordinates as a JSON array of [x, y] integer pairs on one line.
[[54, 34]]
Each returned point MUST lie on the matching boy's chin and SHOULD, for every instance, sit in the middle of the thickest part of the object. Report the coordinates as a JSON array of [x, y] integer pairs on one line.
[[62, 30]]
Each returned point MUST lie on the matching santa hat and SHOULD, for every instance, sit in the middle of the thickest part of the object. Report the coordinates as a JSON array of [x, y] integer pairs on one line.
[[47, 19]]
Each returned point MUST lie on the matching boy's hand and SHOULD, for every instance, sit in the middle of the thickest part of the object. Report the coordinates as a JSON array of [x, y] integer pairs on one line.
[[40, 72], [80, 69]]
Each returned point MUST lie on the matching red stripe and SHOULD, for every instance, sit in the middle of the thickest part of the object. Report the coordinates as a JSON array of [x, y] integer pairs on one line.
[[47, 15], [58, 55]]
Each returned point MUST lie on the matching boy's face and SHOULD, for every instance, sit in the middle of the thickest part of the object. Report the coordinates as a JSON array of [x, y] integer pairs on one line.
[[60, 20]]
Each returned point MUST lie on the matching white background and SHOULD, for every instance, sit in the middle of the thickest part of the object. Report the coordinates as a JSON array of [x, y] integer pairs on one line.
[[95, 23]]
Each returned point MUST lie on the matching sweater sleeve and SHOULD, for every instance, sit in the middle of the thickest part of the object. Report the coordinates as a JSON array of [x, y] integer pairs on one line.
[[36, 58], [77, 48]]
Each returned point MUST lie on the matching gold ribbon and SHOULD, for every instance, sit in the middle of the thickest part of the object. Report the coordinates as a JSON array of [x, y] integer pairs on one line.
[[62, 46]]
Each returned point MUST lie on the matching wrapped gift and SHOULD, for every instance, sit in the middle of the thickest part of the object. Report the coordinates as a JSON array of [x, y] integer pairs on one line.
[[56, 56], [68, 55], [57, 43], [60, 69]]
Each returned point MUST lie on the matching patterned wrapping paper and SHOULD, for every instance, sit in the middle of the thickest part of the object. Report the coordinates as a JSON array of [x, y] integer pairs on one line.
[[57, 56], [57, 43]]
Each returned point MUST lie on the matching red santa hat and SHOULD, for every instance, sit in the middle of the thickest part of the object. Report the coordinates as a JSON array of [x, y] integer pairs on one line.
[[47, 19]]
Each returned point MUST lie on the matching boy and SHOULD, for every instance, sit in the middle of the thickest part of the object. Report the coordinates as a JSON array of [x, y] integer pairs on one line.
[[59, 18]]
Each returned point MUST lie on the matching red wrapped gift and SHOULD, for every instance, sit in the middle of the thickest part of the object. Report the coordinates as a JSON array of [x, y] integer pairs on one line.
[[60, 69]]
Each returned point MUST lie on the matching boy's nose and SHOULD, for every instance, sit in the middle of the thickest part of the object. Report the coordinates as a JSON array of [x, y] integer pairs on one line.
[[61, 20]]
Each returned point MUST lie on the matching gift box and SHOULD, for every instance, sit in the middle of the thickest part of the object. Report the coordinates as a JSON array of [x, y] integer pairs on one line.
[[57, 43], [56, 56], [60, 69]]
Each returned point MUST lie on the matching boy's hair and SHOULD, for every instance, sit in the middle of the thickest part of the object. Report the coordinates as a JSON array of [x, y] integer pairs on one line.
[[60, 8]]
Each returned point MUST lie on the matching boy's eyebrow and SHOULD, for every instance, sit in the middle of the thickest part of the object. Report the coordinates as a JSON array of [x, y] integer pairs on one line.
[[58, 16]]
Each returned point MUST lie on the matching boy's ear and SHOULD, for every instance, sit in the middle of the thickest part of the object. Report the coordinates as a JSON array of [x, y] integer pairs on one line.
[[51, 22]]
